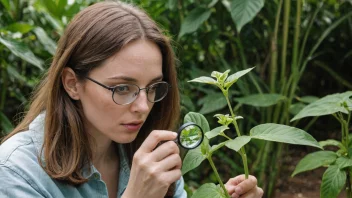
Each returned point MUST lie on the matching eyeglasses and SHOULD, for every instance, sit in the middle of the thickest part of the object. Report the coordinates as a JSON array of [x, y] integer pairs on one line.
[[124, 94]]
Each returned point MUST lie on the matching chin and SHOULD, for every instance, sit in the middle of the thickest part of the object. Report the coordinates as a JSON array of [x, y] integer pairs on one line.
[[125, 139]]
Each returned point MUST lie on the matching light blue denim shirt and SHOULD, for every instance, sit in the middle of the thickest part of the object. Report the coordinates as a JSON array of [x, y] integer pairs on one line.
[[22, 176]]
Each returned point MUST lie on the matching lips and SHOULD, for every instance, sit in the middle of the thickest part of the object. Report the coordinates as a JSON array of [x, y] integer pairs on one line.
[[133, 126]]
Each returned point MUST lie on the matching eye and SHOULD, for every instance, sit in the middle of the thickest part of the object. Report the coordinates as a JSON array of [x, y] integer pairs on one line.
[[153, 87], [123, 89]]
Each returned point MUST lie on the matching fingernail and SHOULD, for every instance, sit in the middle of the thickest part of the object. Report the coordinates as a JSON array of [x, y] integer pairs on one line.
[[175, 134], [238, 190]]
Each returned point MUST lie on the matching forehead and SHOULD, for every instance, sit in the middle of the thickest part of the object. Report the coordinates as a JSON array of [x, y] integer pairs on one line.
[[140, 59]]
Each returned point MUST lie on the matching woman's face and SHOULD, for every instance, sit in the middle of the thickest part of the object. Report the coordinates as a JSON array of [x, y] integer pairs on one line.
[[139, 63]]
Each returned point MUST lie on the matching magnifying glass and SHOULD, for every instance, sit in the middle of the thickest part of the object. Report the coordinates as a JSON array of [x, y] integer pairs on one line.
[[190, 135]]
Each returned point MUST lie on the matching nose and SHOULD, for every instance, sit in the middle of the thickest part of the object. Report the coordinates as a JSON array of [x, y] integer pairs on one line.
[[141, 104]]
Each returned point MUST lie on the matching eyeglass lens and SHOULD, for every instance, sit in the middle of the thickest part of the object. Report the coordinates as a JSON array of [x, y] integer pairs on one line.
[[127, 93]]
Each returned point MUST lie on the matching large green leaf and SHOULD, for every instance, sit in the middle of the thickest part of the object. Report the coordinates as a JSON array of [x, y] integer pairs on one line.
[[21, 50], [208, 190], [238, 143], [215, 132], [199, 119], [192, 160], [332, 183], [283, 133], [261, 100], [194, 20], [325, 106], [243, 11], [212, 103], [5, 123], [315, 160], [47, 42]]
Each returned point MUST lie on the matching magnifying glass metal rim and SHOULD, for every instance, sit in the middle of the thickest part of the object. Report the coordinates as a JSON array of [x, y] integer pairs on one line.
[[180, 129]]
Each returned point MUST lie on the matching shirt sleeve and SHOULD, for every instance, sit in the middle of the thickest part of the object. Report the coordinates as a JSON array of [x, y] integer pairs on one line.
[[14, 185], [180, 191]]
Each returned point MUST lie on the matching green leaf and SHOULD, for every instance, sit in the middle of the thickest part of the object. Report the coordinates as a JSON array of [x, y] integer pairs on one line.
[[343, 162], [296, 108], [47, 42], [284, 134], [208, 190], [5, 123], [212, 103], [308, 99], [19, 27], [199, 119], [332, 183], [261, 100], [215, 132], [171, 4], [315, 160], [204, 79], [238, 143], [61, 7], [243, 11], [332, 143], [325, 106], [13, 73], [194, 20], [21, 50], [192, 160], [234, 77]]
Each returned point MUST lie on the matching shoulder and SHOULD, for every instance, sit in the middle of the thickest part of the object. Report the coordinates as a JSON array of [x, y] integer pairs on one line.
[[18, 148]]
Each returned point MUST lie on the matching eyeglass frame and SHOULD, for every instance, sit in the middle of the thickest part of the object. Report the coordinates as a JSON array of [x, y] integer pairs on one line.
[[112, 89]]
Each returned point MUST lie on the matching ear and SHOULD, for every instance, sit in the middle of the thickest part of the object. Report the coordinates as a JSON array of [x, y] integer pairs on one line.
[[70, 83]]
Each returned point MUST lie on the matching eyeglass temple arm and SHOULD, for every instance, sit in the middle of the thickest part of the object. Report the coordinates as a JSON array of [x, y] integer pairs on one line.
[[106, 87]]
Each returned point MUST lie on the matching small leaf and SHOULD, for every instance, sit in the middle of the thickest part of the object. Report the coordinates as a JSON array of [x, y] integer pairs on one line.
[[208, 190], [332, 183], [194, 20], [192, 160], [238, 143], [343, 162], [171, 4], [315, 160], [204, 79], [243, 11], [332, 143], [296, 108], [284, 134], [198, 119], [5, 123], [215, 132], [234, 77], [22, 51], [19, 27], [325, 106], [261, 100], [48, 44]]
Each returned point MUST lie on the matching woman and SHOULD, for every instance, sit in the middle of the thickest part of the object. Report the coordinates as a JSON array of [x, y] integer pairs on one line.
[[96, 120]]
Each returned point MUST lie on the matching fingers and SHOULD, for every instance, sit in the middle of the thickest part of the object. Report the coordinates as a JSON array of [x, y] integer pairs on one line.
[[154, 138], [164, 150], [243, 185], [171, 162], [254, 193]]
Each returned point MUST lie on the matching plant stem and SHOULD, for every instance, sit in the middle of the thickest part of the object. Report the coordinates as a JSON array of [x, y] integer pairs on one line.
[[242, 150], [218, 176]]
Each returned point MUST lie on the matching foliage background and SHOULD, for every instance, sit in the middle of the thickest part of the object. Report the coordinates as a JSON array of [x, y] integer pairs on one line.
[[206, 38]]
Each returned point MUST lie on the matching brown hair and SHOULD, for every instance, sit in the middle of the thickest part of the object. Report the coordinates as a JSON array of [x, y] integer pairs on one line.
[[95, 34]]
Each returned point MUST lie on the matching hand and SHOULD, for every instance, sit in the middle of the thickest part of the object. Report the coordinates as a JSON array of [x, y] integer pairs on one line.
[[239, 187], [154, 168]]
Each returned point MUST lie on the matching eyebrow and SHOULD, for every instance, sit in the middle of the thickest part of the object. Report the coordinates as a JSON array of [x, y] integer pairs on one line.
[[126, 78]]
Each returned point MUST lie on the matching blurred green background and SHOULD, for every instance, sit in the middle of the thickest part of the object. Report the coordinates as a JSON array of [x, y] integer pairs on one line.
[[302, 51]]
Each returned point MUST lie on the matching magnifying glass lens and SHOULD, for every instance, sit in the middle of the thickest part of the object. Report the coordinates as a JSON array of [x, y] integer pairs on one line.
[[190, 135]]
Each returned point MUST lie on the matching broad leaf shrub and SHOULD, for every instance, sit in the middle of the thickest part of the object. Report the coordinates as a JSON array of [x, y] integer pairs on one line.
[[269, 132], [339, 163]]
